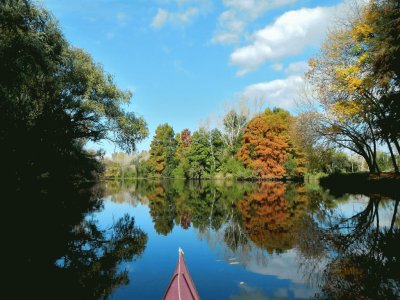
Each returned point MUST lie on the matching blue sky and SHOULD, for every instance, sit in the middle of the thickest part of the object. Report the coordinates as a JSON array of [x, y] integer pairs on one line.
[[185, 59]]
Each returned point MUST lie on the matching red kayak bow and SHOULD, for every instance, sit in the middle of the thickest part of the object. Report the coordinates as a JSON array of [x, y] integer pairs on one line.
[[181, 286]]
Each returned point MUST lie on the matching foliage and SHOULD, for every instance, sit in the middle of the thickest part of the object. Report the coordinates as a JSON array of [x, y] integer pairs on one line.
[[234, 123], [184, 141], [268, 150], [162, 150], [356, 84], [55, 97], [266, 144], [199, 156], [232, 167], [122, 165], [384, 161]]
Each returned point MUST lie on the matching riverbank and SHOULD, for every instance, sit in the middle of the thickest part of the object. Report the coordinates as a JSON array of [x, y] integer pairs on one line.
[[387, 184], [216, 178]]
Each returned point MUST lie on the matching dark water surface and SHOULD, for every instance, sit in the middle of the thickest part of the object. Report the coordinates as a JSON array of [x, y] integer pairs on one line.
[[267, 240]]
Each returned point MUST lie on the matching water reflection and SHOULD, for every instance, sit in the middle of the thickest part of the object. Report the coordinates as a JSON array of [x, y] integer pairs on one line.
[[344, 247], [365, 259], [273, 214], [57, 248]]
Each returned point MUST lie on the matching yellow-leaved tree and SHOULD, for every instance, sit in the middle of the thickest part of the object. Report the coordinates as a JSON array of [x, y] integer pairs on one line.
[[356, 99]]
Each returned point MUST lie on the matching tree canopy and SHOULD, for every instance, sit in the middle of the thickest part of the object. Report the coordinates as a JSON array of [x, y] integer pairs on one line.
[[266, 143], [355, 77], [54, 97], [162, 150]]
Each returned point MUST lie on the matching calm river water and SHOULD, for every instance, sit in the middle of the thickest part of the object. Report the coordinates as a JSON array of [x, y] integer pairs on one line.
[[268, 240], [256, 241]]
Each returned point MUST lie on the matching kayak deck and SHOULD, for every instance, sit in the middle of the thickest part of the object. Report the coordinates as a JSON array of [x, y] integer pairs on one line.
[[181, 286]]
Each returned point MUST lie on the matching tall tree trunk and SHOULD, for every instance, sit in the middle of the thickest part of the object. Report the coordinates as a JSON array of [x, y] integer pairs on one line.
[[212, 152], [372, 152], [370, 164], [395, 166], [374, 168], [370, 159], [377, 169], [396, 143]]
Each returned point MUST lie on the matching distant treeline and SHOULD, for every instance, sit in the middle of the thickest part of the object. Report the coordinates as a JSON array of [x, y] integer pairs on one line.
[[263, 147], [260, 147]]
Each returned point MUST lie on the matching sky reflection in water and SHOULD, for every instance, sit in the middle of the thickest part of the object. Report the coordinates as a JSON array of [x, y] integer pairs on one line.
[[241, 240]]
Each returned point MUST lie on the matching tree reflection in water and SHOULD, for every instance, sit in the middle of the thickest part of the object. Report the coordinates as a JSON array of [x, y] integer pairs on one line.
[[357, 255], [59, 249], [366, 260], [272, 215]]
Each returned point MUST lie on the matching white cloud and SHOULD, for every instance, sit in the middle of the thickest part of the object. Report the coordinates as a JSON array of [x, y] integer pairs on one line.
[[160, 19], [290, 34], [232, 22], [287, 266], [277, 93], [277, 67], [180, 11], [231, 28], [186, 15], [163, 16], [297, 68]]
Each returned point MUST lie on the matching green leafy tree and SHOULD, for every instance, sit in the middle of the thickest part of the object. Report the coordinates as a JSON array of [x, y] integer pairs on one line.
[[234, 123], [184, 140], [384, 161], [54, 98], [216, 142], [205, 154], [162, 150], [199, 156], [232, 167]]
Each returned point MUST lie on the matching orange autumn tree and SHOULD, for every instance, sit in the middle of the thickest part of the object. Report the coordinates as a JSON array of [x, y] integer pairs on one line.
[[266, 144]]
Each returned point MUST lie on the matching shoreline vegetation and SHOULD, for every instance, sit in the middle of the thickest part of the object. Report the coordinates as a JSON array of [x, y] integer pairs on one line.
[[338, 184], [265, 147], [252, 179], [386, 184]]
